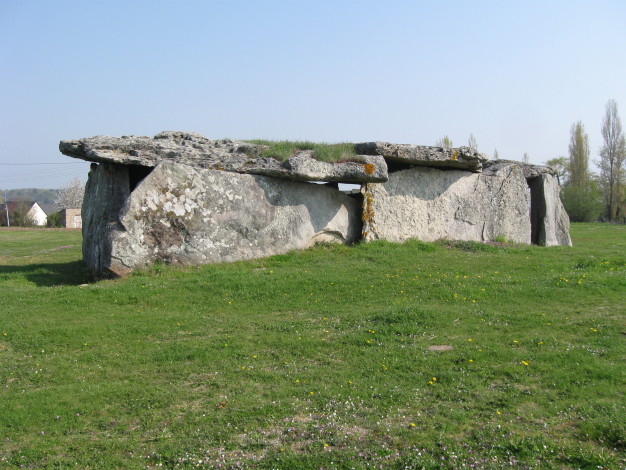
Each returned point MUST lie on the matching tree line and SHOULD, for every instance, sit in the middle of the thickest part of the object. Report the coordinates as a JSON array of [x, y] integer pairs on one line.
[[589, 196]]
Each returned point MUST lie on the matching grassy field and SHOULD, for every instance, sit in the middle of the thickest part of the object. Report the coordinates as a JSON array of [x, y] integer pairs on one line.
[[373, 356]]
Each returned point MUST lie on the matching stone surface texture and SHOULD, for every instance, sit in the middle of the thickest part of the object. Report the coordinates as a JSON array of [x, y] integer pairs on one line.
[[431, 204], [195, 150], [186, 215], [464, 158], [549, 220], [106, 192]]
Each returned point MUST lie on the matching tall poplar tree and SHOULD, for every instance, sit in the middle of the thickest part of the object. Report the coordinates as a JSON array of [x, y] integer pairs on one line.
[[578, 156], [612, 157], [580, 196]]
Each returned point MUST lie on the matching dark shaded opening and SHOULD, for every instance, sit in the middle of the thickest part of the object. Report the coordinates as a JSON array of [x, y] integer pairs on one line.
[[537, 210], [136, 173]]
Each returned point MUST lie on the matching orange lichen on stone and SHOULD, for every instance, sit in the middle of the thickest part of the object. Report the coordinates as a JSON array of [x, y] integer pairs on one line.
[[369, 168]]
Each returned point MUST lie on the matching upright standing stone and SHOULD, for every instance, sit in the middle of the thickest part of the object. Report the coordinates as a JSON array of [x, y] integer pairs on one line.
[[550, 221], [430, 204], [179, 214]]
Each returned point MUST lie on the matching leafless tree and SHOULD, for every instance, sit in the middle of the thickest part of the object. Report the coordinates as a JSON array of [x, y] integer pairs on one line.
[[71, 195], [472, 142], [612, 157], [578, 156]]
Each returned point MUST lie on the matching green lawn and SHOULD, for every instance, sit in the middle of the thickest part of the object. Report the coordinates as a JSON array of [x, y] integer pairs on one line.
[[373, 356]]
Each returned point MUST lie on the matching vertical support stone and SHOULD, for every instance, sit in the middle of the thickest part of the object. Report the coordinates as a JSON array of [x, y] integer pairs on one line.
[[549, 220], [106, 192]]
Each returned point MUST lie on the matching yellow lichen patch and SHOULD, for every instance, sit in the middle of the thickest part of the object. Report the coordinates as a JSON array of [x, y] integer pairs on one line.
[[369, 168], [455, 155]]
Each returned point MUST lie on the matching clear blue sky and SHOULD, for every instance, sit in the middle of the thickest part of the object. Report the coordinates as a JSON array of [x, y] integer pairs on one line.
[[515, 74]]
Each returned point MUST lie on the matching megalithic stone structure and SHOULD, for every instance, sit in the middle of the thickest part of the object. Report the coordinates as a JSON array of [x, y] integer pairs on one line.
[[182, 198]]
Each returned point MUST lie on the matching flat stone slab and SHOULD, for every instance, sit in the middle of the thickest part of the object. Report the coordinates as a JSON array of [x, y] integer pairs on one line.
[[235, 156], [530, 170], [462, 158]]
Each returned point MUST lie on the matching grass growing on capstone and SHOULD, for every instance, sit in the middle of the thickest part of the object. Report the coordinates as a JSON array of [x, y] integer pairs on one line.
[[331, 153], [420, 355]]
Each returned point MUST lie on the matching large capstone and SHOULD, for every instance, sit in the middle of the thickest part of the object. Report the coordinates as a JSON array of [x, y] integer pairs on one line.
[[180, 214], [462, 158], [431, 204], [197, 151]]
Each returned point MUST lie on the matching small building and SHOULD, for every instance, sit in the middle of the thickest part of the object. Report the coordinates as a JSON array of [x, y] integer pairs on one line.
[[70, 218]]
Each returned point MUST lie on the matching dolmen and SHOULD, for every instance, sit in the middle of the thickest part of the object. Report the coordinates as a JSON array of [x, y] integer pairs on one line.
[[182, 198]]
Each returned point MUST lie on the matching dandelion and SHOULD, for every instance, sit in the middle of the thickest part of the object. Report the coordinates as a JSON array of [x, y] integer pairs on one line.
[[525, 363], [469, 339], [497, 412], [412, 425], [471, 360], [311, 393]]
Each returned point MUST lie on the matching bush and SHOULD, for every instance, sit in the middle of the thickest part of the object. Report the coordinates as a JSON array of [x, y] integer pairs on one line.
[[583, 204], [54, 220]]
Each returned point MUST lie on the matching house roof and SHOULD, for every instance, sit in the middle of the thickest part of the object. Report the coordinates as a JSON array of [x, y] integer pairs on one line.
[[49, 208]]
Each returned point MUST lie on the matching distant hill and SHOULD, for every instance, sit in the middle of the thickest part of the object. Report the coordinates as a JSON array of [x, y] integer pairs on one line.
[[29, 194]]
